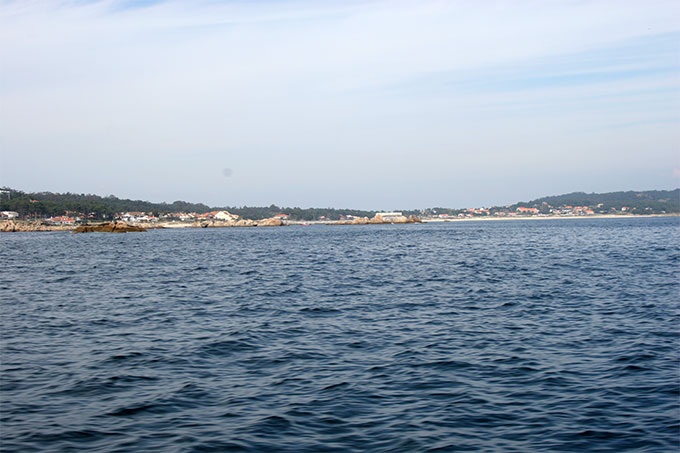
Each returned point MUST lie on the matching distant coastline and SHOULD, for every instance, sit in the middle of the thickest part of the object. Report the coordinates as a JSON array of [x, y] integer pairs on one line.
[[23, 226], [46, 211]]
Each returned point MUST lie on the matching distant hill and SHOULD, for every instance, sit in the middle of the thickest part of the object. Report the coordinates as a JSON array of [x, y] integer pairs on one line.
[[644, 202], [582, 198]]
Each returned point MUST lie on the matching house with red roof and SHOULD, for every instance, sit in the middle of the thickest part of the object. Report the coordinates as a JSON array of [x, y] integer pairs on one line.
[[61, 220], [523, 210]]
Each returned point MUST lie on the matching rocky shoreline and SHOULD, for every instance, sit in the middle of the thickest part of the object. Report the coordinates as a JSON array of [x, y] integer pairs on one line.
[[377, 220], [18, 226], [10, 226], [37, 225], [213, 223], [123, 227]]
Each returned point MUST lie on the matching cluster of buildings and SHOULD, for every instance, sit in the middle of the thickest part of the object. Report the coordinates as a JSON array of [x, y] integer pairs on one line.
[[510, 211], [134, 216], [476, 211], [62, 220], [69, 218], [572, 210], [507, 211]]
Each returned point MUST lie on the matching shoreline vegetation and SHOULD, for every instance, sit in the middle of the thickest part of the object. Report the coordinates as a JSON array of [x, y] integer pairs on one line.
[[21, 225], [46, 211]]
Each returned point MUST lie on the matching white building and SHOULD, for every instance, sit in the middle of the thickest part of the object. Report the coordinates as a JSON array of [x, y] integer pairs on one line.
[[224, 215], [388, 215]]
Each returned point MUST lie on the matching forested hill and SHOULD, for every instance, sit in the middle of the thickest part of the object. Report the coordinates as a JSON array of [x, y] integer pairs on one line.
[[638, 202]]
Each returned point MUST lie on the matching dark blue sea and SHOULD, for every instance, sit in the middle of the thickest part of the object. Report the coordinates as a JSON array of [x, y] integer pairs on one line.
[[554, 335]]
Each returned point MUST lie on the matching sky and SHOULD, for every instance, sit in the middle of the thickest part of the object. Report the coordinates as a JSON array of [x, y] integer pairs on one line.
[[375, 105]]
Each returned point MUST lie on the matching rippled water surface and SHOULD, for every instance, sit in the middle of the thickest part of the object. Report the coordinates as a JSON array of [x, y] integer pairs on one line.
[[478, 336]]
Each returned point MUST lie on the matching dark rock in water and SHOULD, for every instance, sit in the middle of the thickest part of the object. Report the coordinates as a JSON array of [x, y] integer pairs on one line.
[[109, 227]]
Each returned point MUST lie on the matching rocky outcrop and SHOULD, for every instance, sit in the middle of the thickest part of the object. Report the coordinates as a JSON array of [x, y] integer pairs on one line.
[[399, 219], [9, 226], [269, 222], [209, 224], [354, 221], [109, 227], [224, 223], [377, 220]]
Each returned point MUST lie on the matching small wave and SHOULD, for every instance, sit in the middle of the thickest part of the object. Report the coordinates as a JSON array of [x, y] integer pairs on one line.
[[132, 378], [634, 368], [131, 410], [594, 434], [510, 304], [272, 424], [124, 357], [444, 365], [302, 355], [98, 385], [227, 347], [335, 386], [636, 358], [358, 344], [320, 310], [75, 436]]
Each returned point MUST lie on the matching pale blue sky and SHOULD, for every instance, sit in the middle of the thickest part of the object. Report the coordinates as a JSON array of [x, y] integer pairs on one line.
[[365, 104]]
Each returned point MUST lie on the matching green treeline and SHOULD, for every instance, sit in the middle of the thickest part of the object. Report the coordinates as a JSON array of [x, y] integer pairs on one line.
[[47, 204], [296, 213]]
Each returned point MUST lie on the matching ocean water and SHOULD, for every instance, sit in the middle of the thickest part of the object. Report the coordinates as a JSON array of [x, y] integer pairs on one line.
[[556, 335]]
